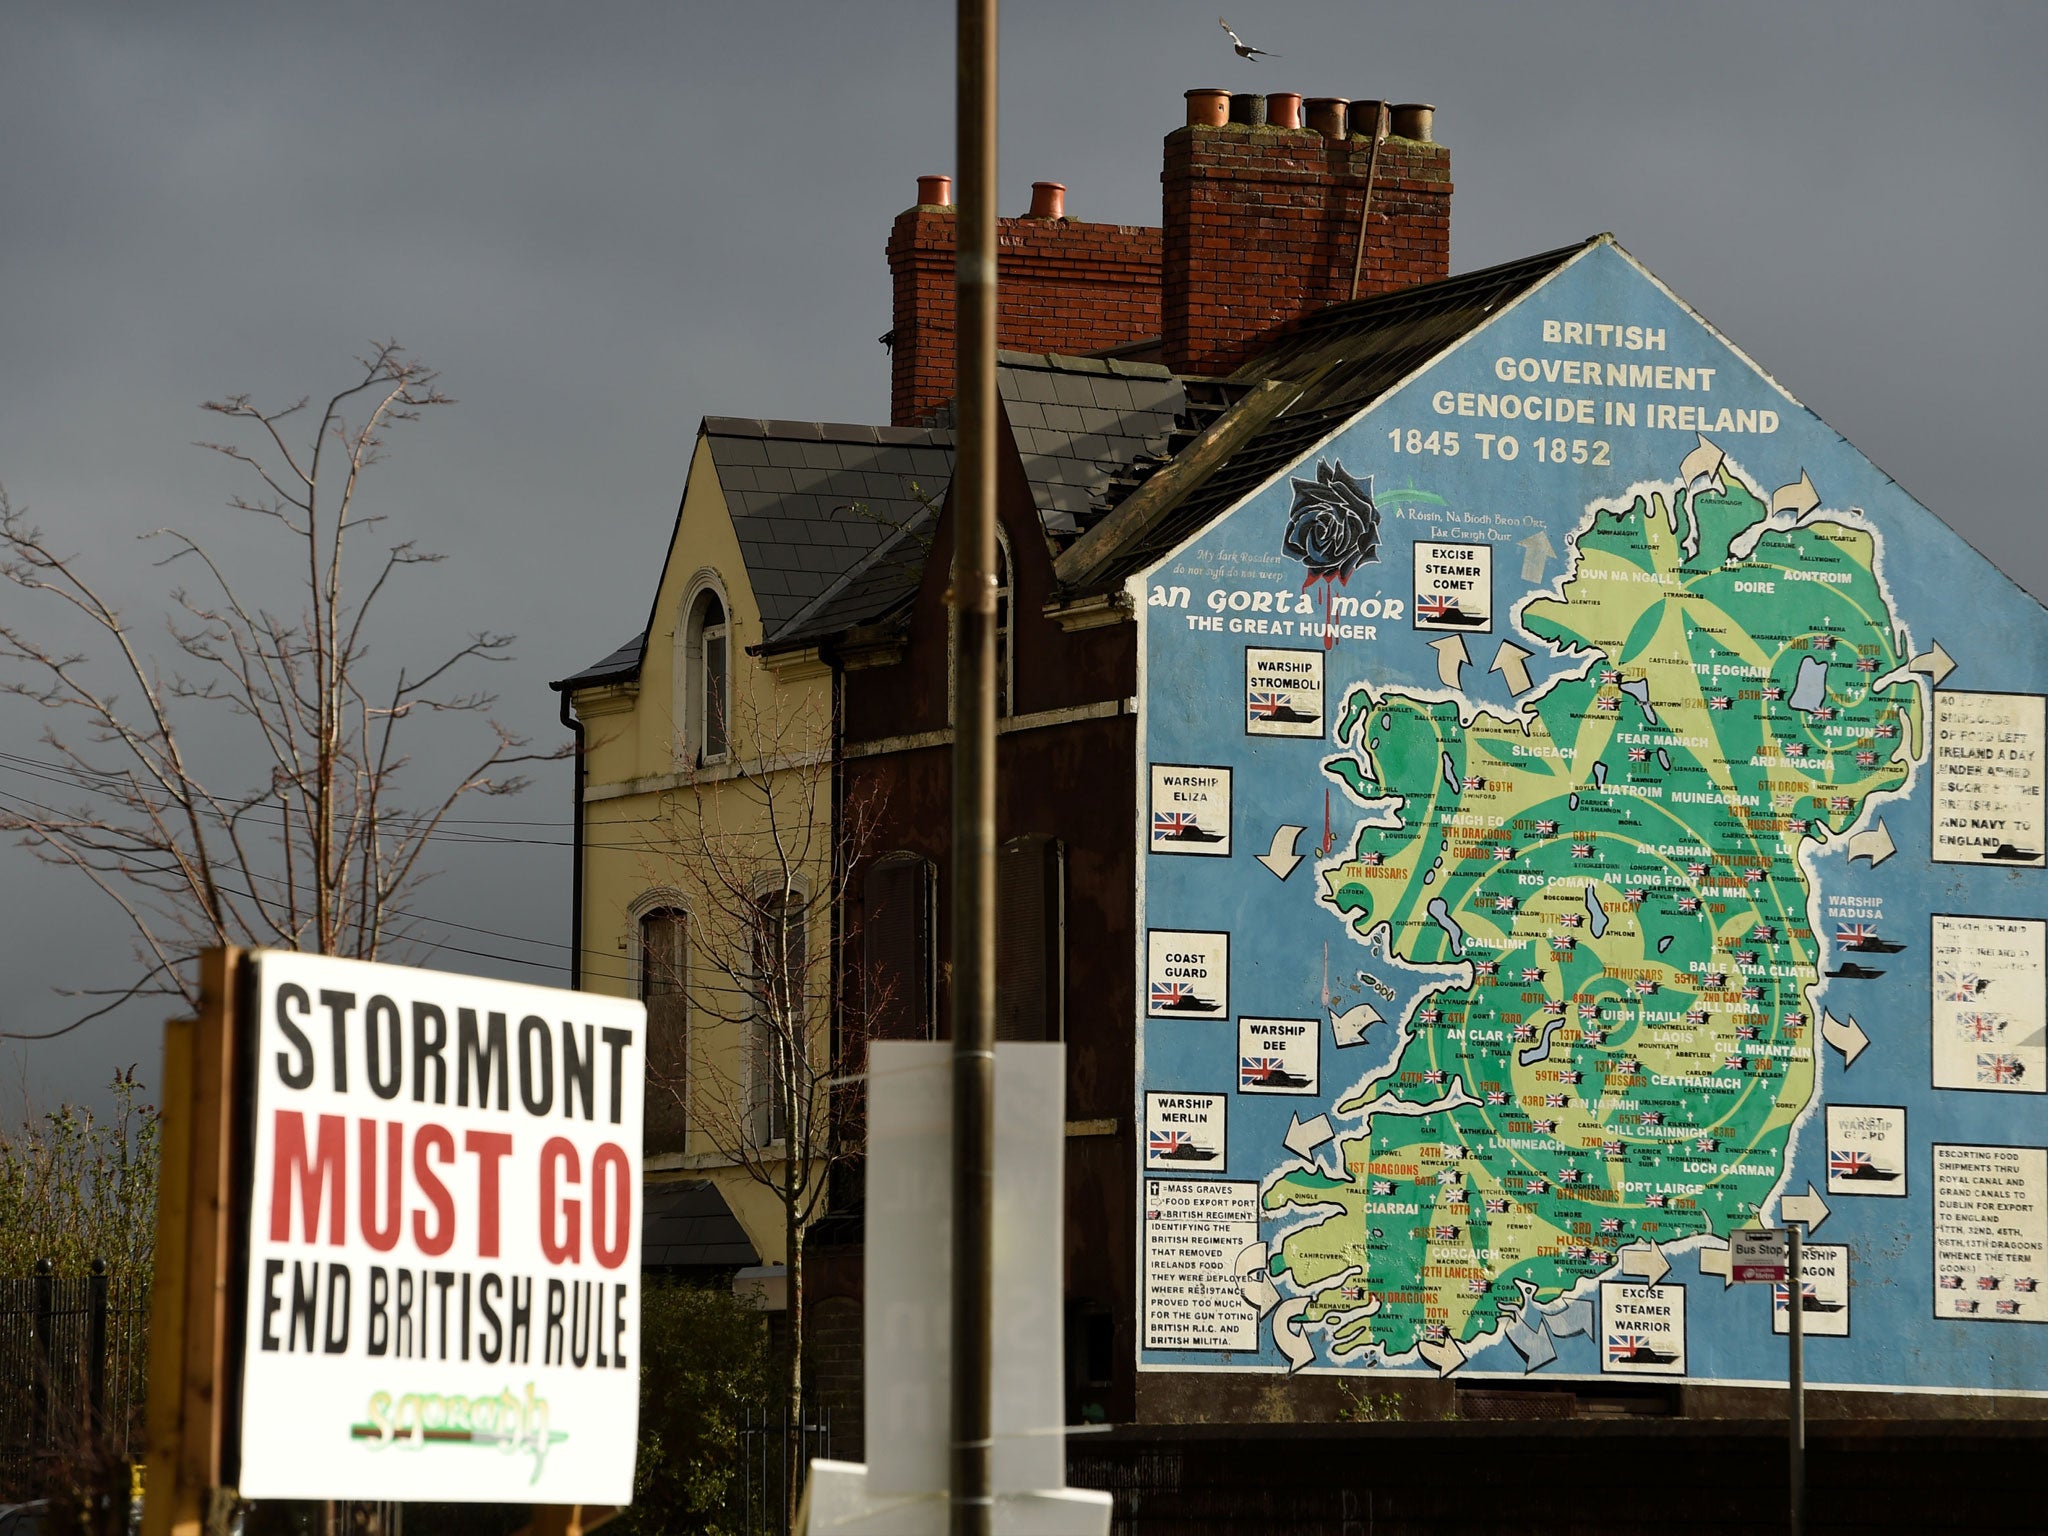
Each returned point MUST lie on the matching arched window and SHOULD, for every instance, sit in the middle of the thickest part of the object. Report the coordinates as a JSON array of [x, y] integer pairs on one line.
[[664, 976], [706, 682], [1006, 669]]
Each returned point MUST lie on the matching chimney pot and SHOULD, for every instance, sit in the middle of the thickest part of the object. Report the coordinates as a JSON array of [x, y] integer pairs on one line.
[[1365, 116], [1414, 120], [1208, 107], [1326, 115], [1048, 200], [1283, 109], [935, 191], [1248, 109]]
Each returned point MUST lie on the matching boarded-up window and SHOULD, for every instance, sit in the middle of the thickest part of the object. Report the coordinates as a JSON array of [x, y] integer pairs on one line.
[[781, 1024], [664, 961], [896, 947], [1030, 940]]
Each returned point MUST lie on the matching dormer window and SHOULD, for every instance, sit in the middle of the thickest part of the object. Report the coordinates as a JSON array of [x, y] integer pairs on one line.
[[707, 688]]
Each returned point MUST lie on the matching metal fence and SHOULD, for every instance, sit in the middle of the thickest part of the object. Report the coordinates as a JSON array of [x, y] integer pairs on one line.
[[72, 1361], [770, 1447]]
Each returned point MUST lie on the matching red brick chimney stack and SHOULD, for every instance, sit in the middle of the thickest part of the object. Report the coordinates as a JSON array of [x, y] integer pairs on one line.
[[1261, 227], [1261, 224], [1063, 285]]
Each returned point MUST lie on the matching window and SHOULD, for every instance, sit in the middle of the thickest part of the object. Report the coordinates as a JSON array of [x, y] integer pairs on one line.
[[781, 1023], [706, 679], [664, 958], [1030, 940], [897, 897], [1006, 669]]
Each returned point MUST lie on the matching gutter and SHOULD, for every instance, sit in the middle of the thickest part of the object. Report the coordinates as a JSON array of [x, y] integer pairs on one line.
[[575, 726]]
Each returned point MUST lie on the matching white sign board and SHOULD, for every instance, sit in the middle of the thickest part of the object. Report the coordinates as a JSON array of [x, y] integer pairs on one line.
[[1757, 1256], [443, 1286]]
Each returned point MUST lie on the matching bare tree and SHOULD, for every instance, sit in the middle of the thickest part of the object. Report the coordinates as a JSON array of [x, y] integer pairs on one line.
[[776, 993], [313, 849]]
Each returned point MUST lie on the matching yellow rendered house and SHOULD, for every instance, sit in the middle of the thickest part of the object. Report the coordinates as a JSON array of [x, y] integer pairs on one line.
[[710, 840]]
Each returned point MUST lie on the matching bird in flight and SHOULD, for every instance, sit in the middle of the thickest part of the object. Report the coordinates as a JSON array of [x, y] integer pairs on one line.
[[1240, 47]]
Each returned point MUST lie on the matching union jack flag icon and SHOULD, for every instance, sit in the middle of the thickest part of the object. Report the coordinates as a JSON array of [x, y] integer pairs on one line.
[[1433, 1075], [1839, 803], [1578, 1252], [1372, 858], [1266, 705], [1446, 1234], [1823, 642], [1167, 1143], [1430, 1015], [1645, 987], [1734, 1064], [1999, 1067], [2008, 1308], [1706, 1144], [1383, 1186], [1652, 1117], [1951, 1282], [1569, 1075], [1476, 1286], [1635, 898], [1696, 871], [1436, 608], [1262, 1071], [1987, 1282], [2025, 1283], [1866, 663], [1496, 1095], [1866, 759], [1503, 903], [1824, 713], [1589, 1010], [1764, 933], [1610, 1149], [1654, 1202], [1531, 975], [1795, 749], [1981, 1027], [1571, 919], [1582, 850], [1888, 729], [1538, 1187], [1554, 1101], [1546, 829], [1563, 944], [1544, 1127], [1553, 1008], [1855, 933], [1695, 1015], [1961, 988], [1622, 1348], [1610, 678], [1688, 903], [1502, 853], [1745, 1032], [1496, 1206], [1607, 706], [1610, 1223], [1173, 994], [1719, 701], [1639, 754], [1754, 876], [1714, 979], [1773, 692], [1486, 967], [1524, 1033], [1781, 1296], [1967, 1304], [1473, 781], [1628, 1066], [1752, 992], [1795, 1021], [1567, 1175], [1173, 824]]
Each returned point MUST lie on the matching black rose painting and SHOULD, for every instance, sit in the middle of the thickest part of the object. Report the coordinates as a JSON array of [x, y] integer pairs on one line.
[[1333, 527]]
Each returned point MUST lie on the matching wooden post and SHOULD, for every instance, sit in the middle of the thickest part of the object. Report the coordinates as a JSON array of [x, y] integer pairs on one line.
[[188, 1389]]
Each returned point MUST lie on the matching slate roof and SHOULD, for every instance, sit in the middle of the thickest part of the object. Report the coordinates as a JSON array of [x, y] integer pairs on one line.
[[809, 500], [1079, 419], [689, 1226], [1340, 360]]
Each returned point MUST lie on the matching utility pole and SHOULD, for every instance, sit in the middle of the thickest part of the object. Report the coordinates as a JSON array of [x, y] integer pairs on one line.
[[972, 596], [1795, 1329]]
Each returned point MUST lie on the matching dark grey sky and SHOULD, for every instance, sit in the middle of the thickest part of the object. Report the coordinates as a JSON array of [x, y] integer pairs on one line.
[[603, 221]]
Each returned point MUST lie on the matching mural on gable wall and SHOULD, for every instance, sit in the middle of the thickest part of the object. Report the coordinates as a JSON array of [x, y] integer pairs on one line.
[[1590, 809]]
